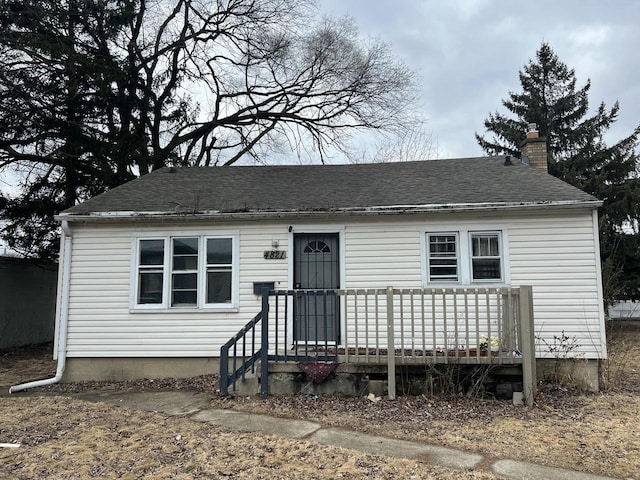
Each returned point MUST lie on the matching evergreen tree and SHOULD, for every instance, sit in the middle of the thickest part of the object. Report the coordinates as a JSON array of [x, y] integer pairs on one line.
[[579, 155]]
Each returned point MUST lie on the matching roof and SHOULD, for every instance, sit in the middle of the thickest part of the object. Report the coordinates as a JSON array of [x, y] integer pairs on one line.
[[467, 183]]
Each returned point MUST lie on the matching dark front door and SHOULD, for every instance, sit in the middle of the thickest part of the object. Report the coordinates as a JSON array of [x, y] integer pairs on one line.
[[315, 267]]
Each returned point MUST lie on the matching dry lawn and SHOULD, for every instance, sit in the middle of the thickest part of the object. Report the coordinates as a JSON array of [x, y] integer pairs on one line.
[[592, 433], [67, 438]]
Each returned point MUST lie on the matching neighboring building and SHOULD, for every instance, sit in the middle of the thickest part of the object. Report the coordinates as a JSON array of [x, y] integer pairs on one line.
[[27, 301], [625, 310], [162, 271]]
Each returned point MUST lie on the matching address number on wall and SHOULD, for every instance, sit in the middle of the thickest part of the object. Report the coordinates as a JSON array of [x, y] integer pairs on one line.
[[275, 254]]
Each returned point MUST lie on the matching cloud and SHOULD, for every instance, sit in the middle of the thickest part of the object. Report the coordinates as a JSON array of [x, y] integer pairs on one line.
[[468, 53]]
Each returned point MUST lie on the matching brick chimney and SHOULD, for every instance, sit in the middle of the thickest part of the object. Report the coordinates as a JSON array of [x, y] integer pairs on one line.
[[534, 149]]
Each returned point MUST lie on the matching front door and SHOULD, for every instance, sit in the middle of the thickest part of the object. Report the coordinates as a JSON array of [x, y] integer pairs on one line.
[[316, 267]]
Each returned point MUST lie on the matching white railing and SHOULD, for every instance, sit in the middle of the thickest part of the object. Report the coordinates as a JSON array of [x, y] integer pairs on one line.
[[405, 326], [473, 325]]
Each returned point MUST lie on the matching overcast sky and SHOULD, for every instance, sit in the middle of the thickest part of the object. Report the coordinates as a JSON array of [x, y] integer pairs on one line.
[[467, 54]]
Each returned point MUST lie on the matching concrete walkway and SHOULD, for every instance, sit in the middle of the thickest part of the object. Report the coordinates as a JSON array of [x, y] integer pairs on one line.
[[195, 407]]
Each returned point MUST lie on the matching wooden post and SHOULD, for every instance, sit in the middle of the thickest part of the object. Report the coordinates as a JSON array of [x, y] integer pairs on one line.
[[391, 349], [264, 341], [527, 345]]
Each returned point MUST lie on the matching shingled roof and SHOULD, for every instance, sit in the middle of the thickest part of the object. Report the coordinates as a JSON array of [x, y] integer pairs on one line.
[[464, 183]]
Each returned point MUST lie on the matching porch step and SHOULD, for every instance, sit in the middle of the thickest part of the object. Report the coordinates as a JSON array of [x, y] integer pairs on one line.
[[248, 387]]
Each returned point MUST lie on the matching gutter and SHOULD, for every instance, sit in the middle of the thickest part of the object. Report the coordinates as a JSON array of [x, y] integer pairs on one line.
[[344, 211], [64, 317]]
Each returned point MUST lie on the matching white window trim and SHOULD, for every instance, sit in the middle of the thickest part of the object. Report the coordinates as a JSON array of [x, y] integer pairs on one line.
[[464, 258], [135, 277], [428, 257], [202, 269], [172, 271], [500, 251], [165, 306]]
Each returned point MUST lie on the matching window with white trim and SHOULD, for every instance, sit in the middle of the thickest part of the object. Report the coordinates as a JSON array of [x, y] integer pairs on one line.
[[219, 270], [442, 257], [486, 261], [150, 271], [186, 272], [464, 256]]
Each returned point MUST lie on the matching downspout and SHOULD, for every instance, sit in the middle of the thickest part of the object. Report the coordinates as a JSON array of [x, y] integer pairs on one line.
[[64, 317]]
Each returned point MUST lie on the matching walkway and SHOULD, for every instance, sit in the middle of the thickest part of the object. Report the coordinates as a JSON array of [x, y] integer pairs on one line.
[[195, 406]]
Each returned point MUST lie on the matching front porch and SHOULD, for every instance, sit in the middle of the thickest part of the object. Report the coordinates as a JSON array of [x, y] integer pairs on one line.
[[317, 330]]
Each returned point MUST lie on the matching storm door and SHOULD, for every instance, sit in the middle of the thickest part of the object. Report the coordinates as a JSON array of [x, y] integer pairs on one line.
[[315, 269]]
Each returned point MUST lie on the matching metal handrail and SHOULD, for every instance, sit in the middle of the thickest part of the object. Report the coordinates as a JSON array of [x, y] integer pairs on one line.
[[248, 362]]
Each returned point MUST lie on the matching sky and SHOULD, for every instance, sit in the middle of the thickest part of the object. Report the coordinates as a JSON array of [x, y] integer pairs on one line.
[[467, 54]]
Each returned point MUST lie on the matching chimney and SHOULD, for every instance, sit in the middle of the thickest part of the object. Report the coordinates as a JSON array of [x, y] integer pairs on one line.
[[534, 149]]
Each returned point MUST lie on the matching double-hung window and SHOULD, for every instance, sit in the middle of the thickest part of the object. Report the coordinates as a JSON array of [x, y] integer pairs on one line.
[[186, 272], [486, 263], [443, 257], [150, 272], [219, 270], [464, 256]]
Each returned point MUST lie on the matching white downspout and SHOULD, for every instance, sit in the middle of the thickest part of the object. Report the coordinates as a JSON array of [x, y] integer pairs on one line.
[[64, 317]]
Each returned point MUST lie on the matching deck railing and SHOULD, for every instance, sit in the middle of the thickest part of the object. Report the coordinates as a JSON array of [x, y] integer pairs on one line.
[[399, 326]]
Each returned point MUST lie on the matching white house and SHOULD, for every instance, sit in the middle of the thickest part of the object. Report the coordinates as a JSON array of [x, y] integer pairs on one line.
[[158, 274]]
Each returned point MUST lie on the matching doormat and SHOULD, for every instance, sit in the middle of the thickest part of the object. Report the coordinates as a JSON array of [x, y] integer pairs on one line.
[[318, 371]]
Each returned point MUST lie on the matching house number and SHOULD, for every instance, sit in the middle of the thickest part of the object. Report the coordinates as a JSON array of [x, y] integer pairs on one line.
[[275, 254]]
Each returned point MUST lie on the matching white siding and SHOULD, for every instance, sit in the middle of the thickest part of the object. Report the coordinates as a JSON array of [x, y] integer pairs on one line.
[[557, 255], [101, 323], [553, 252]]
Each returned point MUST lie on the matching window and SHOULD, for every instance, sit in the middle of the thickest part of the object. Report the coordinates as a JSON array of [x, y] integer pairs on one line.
[[317, 246], [485, 257], [464, 257], [443, 257], [186, 272], [219, 270], [150, 271]]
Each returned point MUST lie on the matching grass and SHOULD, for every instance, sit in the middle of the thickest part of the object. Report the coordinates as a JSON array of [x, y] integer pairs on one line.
[[67, 438]]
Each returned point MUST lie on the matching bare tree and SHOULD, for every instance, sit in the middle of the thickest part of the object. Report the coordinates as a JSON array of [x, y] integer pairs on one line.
[[95, 92], [413, 141], [244, 76]]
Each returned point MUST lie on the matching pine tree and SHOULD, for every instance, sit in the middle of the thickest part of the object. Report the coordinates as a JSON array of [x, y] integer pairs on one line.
[[579, 155]]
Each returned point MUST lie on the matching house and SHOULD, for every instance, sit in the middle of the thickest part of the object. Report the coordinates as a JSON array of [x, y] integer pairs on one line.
[[625, 310], [159, 273]]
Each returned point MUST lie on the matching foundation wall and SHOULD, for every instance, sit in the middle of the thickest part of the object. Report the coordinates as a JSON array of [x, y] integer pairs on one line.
[[287, 379], [581, 373], [120, 369]]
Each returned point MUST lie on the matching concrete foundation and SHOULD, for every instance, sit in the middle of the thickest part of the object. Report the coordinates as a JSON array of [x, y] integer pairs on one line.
[[362, 380], [581, 373], [120, 369], [347, 379]]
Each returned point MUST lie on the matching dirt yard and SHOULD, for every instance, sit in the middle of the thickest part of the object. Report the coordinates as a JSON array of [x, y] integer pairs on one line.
[[67, 438]]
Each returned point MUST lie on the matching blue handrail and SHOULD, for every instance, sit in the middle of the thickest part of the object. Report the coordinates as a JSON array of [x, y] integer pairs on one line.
[[248, 362]]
